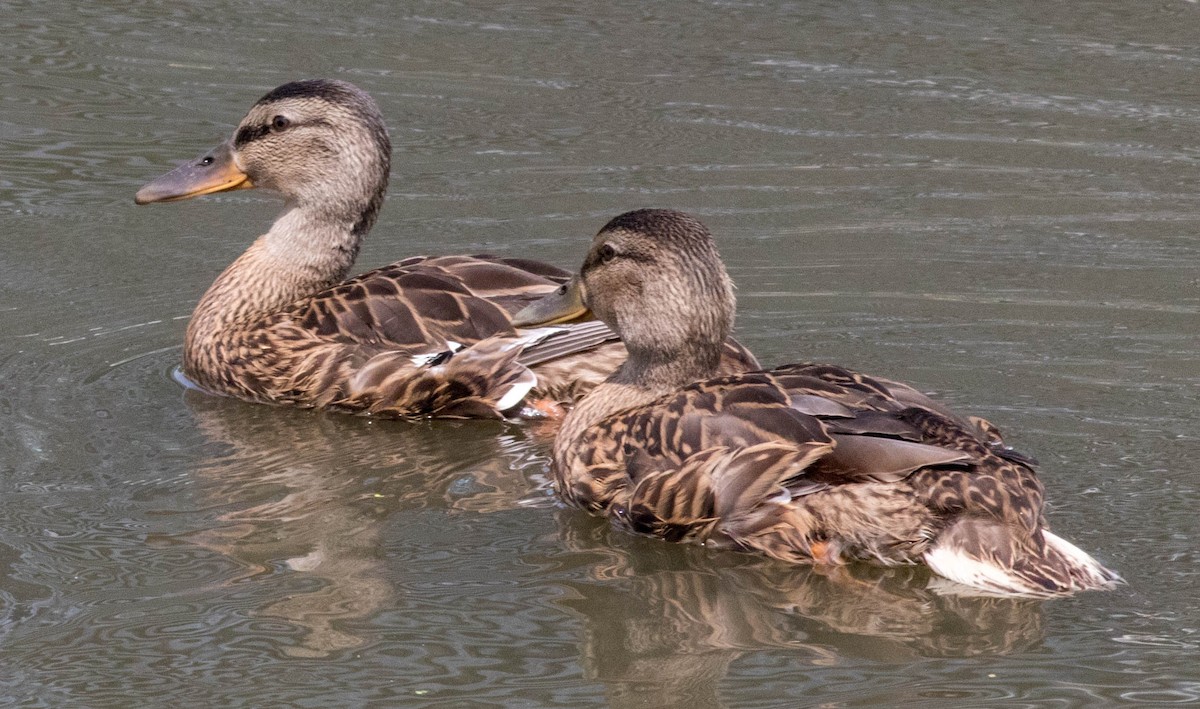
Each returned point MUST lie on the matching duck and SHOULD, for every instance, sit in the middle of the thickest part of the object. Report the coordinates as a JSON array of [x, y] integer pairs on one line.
[[426, 336], [805, 463]]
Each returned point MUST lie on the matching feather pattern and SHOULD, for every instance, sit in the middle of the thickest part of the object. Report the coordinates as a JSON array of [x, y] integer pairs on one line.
[[422, 337], [807, 463]]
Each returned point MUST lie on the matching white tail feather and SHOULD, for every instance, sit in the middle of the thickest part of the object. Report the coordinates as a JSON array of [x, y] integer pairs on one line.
[[1098, 575], [516, 393], [955, 563], [958, 566]]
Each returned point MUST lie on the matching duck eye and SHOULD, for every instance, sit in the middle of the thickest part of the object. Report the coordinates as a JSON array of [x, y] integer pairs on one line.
[[280, 122], [606, 253]]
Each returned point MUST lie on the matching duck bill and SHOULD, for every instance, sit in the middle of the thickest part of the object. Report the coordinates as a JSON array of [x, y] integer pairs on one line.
[[563, 305], [214, 171]]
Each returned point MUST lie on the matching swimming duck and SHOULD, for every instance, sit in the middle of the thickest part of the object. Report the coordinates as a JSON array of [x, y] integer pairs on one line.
[[806, 463], [426, 336]]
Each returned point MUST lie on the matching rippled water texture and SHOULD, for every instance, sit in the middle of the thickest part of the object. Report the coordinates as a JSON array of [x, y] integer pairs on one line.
[[994, 201]]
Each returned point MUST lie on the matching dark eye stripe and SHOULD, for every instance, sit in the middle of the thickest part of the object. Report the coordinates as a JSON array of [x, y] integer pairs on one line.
[[248, 134]]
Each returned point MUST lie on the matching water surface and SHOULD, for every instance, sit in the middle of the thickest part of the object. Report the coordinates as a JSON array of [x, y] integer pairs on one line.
[[995, 203]]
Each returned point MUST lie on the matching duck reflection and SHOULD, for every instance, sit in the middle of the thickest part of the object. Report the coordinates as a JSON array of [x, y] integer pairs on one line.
[[309, 495], [663, 622], [306, 498]]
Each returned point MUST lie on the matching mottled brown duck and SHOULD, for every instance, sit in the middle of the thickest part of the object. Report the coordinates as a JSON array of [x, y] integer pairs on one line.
[[806, 463], [426, 336]]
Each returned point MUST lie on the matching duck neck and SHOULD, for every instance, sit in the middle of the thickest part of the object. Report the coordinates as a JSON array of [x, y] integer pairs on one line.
[[647, 375], [658, 371], [305, 252]]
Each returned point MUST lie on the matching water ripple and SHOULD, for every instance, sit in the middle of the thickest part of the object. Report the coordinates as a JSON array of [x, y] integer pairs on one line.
[[994, 204]]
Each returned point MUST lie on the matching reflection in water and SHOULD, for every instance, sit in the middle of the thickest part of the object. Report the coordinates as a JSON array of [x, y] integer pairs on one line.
[[302, 501], [292, 506], [983, 198], [666, 621]]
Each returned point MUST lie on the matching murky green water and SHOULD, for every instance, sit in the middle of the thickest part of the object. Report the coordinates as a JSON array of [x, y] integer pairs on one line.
[[997, 202]]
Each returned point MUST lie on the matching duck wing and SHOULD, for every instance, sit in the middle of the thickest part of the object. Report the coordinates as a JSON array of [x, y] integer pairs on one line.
[[424, 303], [723, 460], [420, 337]]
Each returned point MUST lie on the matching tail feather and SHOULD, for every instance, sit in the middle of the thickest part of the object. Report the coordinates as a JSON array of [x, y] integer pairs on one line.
[[480, 381], [993, 558], [1086, 571], [484, 380]]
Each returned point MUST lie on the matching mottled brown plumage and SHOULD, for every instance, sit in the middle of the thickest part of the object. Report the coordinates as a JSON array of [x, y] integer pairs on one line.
[[806, 463], [421, 337]]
